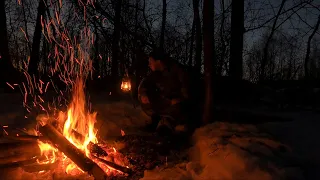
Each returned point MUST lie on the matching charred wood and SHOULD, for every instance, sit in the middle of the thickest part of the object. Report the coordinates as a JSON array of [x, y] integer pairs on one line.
[[115, 166], [72, 152], [94, 148]]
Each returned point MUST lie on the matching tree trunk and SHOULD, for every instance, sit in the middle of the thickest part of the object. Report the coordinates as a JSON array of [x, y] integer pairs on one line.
[[26, 26], [163, 27], [190, 63], [236, 46], [222, 40], [96, 61], [115, 41], [198, 36], [34, 57], [262, 75], [307, 58], [209, 57]]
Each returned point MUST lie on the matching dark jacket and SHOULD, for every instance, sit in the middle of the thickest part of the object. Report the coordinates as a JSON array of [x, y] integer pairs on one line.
[[169, 84]]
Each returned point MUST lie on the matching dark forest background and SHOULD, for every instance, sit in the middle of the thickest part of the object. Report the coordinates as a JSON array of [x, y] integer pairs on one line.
[[239, 46]]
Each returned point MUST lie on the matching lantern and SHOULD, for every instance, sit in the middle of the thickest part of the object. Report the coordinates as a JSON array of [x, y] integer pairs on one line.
[[125, 85]]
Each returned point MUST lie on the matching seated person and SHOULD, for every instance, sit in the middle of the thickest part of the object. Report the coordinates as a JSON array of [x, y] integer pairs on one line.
[[164, 94]]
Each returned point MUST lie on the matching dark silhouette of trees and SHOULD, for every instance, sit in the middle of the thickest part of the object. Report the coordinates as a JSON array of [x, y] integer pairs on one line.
[[197, 21], [236, 46], [7, 71], [266, 47], [209, 58], [306, 60], [35, 52], [163, 25], [116, 39], [250, 42]]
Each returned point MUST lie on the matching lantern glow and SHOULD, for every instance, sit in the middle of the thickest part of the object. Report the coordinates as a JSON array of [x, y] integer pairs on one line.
[[125, 85]]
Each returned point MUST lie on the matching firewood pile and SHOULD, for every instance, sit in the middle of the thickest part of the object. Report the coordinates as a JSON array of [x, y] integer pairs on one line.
[[19, 149]]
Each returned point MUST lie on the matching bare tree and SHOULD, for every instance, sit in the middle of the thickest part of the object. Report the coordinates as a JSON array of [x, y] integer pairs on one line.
[[265, 50], [35, 52], [306, 60], [163, 26], [236, 47], [6, 67], [116, 40], [222, 44], [209, 57], [190, 62], [197, 22]]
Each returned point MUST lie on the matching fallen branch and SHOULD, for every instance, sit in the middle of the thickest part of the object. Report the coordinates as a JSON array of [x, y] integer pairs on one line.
[[115, 166], [72, 152]]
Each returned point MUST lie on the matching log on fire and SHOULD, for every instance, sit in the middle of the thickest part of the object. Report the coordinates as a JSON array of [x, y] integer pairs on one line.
[[10, 148], [18, 164], [16, 158], [36, 167], [115, 166], [25, 138], [94, 148], [72, 152]]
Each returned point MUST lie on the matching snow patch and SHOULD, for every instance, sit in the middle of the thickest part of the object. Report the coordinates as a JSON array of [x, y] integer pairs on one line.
[[116, 116]]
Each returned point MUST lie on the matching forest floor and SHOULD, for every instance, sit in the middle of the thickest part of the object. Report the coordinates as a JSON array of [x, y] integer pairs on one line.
[[221, 150]]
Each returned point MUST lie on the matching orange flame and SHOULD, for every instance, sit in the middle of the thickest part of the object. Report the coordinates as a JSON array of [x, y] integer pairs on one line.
[[79, 120]]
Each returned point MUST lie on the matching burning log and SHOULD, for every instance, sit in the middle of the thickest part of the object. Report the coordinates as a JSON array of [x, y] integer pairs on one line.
[[35, 167], [16, 158], [17, 164], [26, 138], [72, 152], [94, 148], [115, 166], [20, 147]]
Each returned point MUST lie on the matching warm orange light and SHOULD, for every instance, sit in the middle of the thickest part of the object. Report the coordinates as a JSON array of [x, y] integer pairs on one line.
[[125, 85], [78, 119]]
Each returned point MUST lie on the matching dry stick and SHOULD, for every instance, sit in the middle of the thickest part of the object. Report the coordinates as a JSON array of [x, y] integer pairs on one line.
[[114, 166], [94, 148], [72, 152]]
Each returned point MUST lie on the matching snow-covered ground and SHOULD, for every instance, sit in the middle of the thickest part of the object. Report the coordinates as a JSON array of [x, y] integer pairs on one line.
[[231, 151], [302, 135], [275, 150]]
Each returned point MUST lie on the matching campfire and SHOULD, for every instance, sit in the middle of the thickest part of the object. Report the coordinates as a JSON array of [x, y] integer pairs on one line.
[[70, 141], [67, 140]]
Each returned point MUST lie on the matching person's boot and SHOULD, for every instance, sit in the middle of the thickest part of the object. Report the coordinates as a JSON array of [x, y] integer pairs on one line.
[[151, 127]]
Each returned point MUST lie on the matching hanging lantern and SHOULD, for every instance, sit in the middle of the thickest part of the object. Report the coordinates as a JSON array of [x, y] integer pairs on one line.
[[125, 85]]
